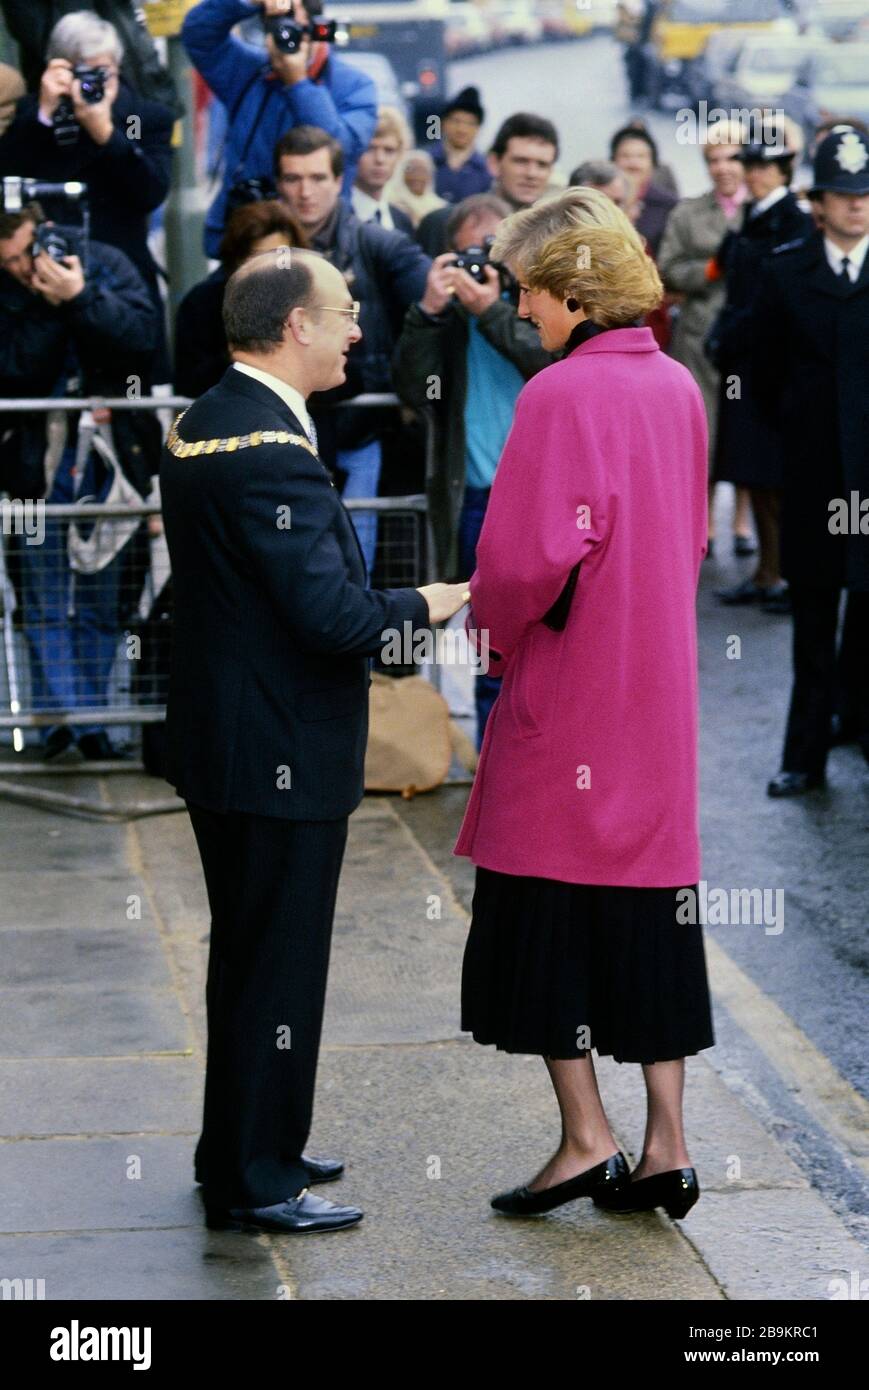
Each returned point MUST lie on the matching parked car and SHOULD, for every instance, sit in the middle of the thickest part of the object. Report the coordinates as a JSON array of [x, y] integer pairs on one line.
[[682, 30], [840, 80], [769, 73], [466, 31], [517, 21]]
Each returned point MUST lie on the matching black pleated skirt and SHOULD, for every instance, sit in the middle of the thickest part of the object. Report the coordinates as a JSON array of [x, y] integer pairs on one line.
[[559, 969]]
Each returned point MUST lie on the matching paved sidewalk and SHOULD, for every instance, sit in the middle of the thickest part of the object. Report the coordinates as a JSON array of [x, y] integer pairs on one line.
[[101, 1058]]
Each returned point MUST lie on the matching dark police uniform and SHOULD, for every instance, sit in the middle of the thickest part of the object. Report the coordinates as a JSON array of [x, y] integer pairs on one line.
[[266, 726], [812, 362]]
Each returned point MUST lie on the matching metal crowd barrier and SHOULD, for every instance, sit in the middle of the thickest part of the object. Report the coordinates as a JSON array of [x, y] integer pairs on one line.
[[78, 640]]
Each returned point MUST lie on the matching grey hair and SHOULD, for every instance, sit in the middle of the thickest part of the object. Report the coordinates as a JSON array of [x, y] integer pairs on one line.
[[596, 173], [475, 206], [80, 36], [523, 234]]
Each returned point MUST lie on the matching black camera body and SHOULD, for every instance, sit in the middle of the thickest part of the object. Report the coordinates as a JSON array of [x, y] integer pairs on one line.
[[92, 82], [288, 33], [56, 242], [475, 259]]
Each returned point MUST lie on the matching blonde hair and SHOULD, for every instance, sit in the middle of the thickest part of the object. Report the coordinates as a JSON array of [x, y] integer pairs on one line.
[[581, 244], [390, 121]]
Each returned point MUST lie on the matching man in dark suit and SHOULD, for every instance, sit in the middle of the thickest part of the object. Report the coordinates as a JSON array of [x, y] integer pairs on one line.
[[811, 347], [267, 721]]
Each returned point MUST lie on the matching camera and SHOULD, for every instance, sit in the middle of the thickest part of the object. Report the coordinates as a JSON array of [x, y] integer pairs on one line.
[[474, 260], [93, 89], [252, 190], [53, 242], [288, 33]]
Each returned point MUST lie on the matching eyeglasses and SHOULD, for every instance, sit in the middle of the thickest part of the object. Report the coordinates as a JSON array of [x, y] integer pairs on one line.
[[353, 309]]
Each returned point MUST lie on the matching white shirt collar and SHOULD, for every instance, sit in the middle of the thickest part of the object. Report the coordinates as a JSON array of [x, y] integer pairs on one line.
[[770, 200], [856, 257], [288, 394], [365, 207]]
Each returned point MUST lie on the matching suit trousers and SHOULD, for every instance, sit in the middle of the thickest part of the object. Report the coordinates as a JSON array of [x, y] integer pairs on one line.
[[821, 680], [271, 886]]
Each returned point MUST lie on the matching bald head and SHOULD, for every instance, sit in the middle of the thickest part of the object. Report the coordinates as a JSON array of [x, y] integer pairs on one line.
[[286, 311], [262, 292]]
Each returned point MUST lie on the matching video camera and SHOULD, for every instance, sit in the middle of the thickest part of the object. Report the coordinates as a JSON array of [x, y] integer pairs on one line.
[[93, 88], [288, 33]]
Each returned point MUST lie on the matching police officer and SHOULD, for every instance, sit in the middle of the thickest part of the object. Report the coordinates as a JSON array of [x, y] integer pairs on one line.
[[748, 450], [811, 333]]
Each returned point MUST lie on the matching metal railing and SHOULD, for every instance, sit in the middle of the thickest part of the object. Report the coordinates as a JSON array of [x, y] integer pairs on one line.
[[78, 643]]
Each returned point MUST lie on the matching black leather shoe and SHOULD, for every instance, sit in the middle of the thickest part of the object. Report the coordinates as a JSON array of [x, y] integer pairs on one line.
[[777, 600], [521, 1201], [323, 1169], [676, 1192], [60, 747], [744, 545], [299, 1215], [794, 784], [746, 592], [319, 1169], [97, 748]]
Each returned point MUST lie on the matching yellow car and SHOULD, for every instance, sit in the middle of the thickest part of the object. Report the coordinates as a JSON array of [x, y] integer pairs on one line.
[[681, 30]]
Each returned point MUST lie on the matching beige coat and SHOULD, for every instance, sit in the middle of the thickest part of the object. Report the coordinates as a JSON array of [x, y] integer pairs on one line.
[[694, 231]]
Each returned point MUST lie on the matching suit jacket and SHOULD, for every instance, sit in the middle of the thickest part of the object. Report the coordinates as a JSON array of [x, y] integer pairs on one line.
[[268, 694], [811, 363]]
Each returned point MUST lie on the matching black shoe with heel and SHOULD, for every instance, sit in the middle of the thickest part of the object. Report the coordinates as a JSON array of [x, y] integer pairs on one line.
[[675, 1191], [521, 1201]]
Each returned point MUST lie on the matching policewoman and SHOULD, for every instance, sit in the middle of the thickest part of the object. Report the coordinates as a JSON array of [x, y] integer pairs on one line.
[[812, 365]]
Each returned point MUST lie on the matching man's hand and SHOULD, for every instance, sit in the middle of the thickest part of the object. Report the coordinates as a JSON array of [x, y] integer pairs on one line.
[[96, 117], [438, 286], [444, 600], [58, 284], [56, 83], [290, 67], [471, 294]]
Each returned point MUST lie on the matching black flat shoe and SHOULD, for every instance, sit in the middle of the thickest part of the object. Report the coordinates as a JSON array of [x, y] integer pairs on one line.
[[794, 784], [301, 1215], [521, 1201], [676, 1192], [319, 1169], [744, 545], [778, 599]]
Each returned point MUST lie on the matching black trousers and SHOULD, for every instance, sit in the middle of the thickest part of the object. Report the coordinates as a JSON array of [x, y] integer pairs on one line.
[[824, 682], [271, 889]]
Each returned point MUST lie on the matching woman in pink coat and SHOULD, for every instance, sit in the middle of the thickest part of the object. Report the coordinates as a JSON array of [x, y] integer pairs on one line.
[[583, 820]]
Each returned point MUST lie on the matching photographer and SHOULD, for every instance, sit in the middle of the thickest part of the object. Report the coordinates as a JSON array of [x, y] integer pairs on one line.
[[87, 125], [264, 100], [464, 334], [386, 272], [60, 316]]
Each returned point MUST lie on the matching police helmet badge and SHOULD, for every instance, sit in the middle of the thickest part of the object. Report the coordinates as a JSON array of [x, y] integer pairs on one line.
[[851, 153]]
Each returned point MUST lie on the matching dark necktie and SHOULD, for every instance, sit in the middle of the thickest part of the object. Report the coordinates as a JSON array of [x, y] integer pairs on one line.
[[844, 272], [376, 217]]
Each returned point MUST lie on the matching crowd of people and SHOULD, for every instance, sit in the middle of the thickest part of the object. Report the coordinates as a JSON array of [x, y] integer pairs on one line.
[[311, 161]]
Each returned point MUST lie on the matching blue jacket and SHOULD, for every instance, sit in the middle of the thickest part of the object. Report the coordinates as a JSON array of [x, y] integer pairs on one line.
[[342, 101]]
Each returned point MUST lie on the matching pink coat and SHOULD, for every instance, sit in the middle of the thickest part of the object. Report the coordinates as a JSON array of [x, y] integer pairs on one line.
[[588, 770]]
